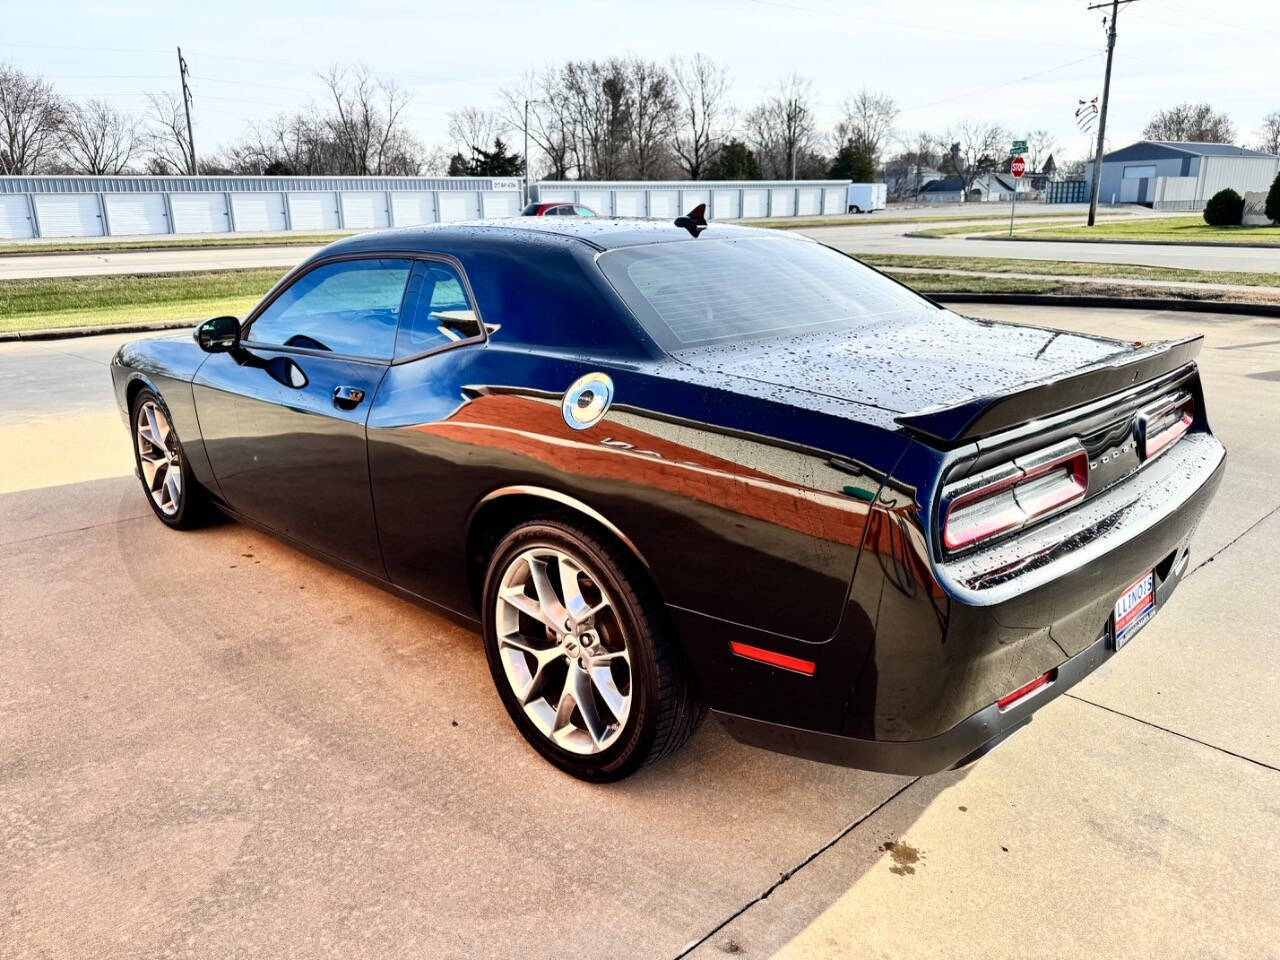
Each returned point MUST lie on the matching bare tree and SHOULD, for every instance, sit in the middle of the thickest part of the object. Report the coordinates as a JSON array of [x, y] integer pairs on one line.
[[1269, 133], [473, 129], [781, 128], [548, 113], [97, 139], [597, 93], [704, 116], [908, 170], [366, 123], [165, 139], [1191, 122], [651, 115], [867, 121], [31, 115], [976, 149], [1040, 147]]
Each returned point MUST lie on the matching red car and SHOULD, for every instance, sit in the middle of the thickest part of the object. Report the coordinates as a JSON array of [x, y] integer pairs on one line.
[[557, 208]]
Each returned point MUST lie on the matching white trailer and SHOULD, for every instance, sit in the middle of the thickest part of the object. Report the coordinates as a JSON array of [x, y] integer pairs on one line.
[[865, 197]]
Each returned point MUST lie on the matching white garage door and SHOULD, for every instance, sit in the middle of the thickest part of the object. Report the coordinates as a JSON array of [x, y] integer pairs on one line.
[[258, 211], [725, 204], [628, 203], [501, 204], [69, 215], [783, 201], [691, 198], [664, 204], [313, 211], [365, 211], [132, 214], [411, 209], [459, 205], [597, 200], [15, 217], [199, 213], [810, 202], [753, 202]]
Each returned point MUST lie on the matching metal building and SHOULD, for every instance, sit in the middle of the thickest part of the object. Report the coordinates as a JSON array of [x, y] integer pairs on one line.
[[725, 199], [81, 206], [1169, 175]]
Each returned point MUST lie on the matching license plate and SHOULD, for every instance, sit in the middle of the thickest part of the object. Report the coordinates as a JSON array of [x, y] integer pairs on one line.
[[1135, 607]]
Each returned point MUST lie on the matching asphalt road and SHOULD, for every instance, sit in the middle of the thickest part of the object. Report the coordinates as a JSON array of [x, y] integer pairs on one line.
[[212, 745]]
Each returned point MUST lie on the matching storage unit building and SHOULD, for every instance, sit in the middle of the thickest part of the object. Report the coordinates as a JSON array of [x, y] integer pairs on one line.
[[75, 206], [1131, 174], [725, 199]]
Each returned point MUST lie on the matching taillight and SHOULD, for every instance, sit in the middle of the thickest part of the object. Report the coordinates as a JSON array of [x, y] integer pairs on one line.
[[1164, 423], [1013, 494]]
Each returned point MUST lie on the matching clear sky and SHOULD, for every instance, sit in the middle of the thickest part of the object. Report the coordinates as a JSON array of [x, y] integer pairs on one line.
[[1023, 64]]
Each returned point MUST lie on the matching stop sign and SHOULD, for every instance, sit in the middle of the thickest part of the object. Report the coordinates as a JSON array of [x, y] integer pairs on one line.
[[1018, 167]]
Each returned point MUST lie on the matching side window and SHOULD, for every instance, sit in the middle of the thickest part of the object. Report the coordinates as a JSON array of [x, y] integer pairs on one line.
[[584, 211], [350, 307], [437, 310]]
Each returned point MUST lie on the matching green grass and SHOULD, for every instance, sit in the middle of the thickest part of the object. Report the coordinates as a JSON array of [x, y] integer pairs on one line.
[[58, 302], [164, 243], [1068, 268], [1163, 229], [967, 283], [931, 283]]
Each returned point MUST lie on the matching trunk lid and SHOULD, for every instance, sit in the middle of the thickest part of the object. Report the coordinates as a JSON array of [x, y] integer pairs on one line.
[[950, 378]]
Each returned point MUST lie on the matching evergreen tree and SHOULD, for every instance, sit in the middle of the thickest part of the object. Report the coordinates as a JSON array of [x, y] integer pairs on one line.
[[735, 161], [852, 163]]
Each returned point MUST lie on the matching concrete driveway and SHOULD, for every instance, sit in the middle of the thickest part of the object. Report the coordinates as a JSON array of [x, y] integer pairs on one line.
[[214, 746]]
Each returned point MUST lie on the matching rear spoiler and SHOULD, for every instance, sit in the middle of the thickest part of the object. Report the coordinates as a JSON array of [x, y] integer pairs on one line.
[[987, 415]]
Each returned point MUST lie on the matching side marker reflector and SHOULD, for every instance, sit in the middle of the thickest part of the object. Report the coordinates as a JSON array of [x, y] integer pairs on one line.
[[773, 658], [1009, 699]]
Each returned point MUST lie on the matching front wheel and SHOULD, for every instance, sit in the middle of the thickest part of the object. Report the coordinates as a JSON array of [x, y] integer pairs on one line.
[[579, 647], [174, 496]]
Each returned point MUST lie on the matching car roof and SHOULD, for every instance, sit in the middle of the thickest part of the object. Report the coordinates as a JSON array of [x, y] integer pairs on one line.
[[603, 233]]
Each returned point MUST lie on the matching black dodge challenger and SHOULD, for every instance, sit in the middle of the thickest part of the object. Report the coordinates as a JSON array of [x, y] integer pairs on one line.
[[669, 467]]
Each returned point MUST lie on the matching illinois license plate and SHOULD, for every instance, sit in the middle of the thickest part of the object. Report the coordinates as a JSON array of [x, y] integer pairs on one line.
[[1135, 607]]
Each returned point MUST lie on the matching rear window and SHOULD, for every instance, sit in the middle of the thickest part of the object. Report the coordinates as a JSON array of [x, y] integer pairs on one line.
[[716, 291]]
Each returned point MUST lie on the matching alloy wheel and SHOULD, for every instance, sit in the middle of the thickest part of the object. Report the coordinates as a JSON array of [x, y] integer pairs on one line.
[[159, 457], [563, 650]]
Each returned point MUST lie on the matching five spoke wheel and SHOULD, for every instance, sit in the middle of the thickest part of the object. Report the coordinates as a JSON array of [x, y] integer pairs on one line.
[[159, 457], [563, 650]]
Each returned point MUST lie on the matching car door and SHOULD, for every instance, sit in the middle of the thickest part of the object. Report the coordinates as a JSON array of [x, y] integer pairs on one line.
[[284, 416]]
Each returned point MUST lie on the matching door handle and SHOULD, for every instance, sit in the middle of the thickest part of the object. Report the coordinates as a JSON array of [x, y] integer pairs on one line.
[[347, 398]]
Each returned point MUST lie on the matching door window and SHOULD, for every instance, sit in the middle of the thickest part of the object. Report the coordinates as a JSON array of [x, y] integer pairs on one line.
[[350, 307], [437, 310]]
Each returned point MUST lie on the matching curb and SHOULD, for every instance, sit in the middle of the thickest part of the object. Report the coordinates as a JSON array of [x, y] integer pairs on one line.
[[1136, 243], [67, 333], [1118, 303]]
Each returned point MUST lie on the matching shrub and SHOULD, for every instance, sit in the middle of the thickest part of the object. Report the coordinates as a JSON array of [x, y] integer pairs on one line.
[[1272, 209], [1224, 209]]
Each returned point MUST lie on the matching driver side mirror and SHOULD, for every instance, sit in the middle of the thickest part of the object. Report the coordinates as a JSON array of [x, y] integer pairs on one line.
[[219, 335]]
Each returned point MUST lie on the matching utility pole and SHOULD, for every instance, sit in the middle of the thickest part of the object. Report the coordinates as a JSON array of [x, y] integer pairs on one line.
[[183, 75], [526, 147], [1106, 93]]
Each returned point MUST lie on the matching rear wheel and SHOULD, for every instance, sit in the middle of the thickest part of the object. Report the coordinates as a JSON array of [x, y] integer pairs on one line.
[[580, 650], [175, 497]]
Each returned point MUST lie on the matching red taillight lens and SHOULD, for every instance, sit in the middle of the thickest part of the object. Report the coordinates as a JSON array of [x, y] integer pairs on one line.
[[1012, 495], [1165, 423], [1009, 699]]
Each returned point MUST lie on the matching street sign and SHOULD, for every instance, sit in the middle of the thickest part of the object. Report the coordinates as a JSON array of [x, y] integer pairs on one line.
[[1019, 146], [1018, 167]]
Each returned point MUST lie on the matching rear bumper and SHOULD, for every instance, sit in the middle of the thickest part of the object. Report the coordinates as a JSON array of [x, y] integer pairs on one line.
[[955, 691]]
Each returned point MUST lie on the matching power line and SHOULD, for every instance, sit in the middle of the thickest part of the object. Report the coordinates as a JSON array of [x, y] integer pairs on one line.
[[1007, 83]]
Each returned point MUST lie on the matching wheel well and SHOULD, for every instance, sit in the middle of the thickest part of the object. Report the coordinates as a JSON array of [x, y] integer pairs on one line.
[[496, 518], [135, 387]]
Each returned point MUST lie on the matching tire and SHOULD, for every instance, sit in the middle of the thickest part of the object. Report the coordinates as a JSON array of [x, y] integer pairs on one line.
[[157, 454], [626, 651]]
